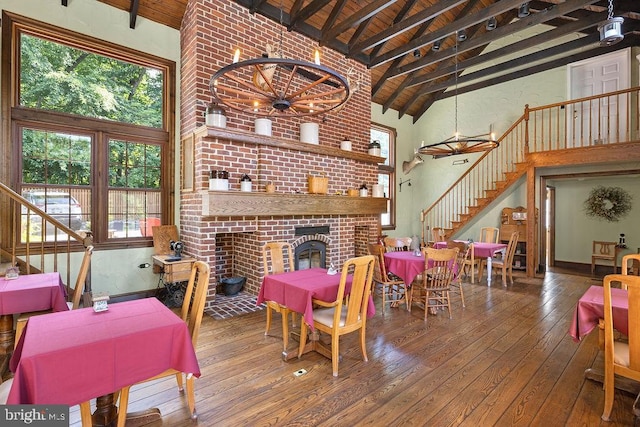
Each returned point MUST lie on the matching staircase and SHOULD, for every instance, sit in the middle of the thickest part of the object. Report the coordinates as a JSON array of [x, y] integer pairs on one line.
[[596, 129], [36, 242]]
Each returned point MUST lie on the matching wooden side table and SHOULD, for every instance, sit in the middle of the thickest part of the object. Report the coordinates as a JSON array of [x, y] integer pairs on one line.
[[172, 271]]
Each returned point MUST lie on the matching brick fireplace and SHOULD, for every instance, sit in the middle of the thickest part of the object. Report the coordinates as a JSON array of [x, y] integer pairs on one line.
[[228, 229]]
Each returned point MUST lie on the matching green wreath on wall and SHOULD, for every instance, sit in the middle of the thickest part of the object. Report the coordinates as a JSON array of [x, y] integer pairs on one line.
[[608, 203]]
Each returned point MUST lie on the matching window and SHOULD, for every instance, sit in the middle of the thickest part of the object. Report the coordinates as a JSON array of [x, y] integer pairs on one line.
[[93, 131], [386, 171]]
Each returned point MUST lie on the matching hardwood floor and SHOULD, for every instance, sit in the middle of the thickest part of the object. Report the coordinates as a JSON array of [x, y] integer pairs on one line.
[[505, 360]]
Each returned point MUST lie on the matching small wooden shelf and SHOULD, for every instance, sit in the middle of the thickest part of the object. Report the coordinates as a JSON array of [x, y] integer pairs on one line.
[[236, 203], [253, 138]]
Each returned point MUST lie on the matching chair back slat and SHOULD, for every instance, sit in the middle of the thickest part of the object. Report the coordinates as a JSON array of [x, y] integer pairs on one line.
[[393, 244], [439, 267], [489, 235], [277, 257], [361, 269], [194, 298]]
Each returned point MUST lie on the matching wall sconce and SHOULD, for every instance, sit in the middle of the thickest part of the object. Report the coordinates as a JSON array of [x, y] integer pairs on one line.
[[523, 10], [408, 182], [492, 23]]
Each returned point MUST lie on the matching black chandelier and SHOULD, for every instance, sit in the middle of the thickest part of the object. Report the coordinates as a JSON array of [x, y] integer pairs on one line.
[[276, 86], [459, 144]]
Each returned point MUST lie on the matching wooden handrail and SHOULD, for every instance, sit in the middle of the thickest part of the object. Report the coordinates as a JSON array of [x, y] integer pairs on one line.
[[579, 123], [43, 254]]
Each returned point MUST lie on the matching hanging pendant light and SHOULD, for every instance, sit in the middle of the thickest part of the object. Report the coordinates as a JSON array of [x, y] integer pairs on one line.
[[276, 86], [611, 29], [459, 144]]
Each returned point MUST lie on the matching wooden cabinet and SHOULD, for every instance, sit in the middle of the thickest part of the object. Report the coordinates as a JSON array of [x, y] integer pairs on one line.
[[515, 219], [172, 271]]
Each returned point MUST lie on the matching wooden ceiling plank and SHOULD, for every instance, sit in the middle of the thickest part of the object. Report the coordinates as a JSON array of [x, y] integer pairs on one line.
[[396, 62], [399, 17], [496, 34], [596, 51], [333, 15], [407, 24], [591, 39], [528, 43], [479, 17], [365, 13], [391, 99], [304, 13]]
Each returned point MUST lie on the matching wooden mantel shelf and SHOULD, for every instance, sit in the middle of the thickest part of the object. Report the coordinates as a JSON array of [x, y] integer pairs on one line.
[[236, 203], [253, 138]]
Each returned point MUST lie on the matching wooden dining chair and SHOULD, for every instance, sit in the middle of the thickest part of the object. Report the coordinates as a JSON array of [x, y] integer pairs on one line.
[[338, 318], [604, 251], [394, 244], [489, 235], [631, 264], [620, 358], [390, 287], [505, 263], [434, 284], [191, 312], [437, 234], [462, 262], [277, 257], [75, 294]]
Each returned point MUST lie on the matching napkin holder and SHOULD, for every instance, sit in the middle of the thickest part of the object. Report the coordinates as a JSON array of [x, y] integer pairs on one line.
[[100, 303]]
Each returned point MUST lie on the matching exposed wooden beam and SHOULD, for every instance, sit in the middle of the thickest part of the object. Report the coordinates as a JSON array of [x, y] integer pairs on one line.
[[529, 71], [365, 13], [133, 13], [480, 16], [407, 24], [508, 50], [298, 15], [584, 42]]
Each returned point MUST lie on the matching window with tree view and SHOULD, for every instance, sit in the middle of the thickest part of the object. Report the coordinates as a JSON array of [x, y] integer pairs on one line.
[[93, 133], [386, 137]]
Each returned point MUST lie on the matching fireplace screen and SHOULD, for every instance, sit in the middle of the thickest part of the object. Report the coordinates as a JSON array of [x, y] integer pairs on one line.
[[310, 254]]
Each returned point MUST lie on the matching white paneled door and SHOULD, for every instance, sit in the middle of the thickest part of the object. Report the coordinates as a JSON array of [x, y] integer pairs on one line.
[[598, 122]]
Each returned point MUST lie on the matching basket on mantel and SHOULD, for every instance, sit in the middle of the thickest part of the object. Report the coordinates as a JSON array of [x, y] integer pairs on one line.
[[318, 184]]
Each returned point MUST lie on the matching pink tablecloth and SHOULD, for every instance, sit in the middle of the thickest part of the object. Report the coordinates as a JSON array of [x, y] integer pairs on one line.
[[404, 264], [32, 292], [296, 289], [71, 357], [590, 309], [480, 249]]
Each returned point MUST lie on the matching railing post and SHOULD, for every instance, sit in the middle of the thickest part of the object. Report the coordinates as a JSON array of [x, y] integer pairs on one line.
[[526, 129]]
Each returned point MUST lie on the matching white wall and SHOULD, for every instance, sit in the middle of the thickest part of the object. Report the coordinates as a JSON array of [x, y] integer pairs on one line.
[[114, 271], [499, 106], [575, 231]]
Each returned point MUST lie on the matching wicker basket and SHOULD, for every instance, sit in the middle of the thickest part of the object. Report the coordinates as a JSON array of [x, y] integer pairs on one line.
[[318, 184]]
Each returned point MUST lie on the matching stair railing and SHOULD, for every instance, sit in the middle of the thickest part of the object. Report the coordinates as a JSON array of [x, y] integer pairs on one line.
[[33, 240], [611, 118]]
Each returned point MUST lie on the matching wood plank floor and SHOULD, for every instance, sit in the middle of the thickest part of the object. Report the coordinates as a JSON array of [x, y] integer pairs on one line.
[[505, 360]]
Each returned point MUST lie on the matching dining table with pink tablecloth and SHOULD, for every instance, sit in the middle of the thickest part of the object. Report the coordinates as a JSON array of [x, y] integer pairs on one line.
[[590, 309], [32, 292], [479, 250], [407, 265], [297, 289], [404, 264], [73, 356]]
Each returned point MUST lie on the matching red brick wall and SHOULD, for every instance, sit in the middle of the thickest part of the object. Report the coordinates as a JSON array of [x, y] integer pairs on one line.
[[211, 31]]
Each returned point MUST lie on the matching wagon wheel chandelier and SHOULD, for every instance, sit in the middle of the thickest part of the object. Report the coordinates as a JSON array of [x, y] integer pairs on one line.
[[277, 86], [459, 144]]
